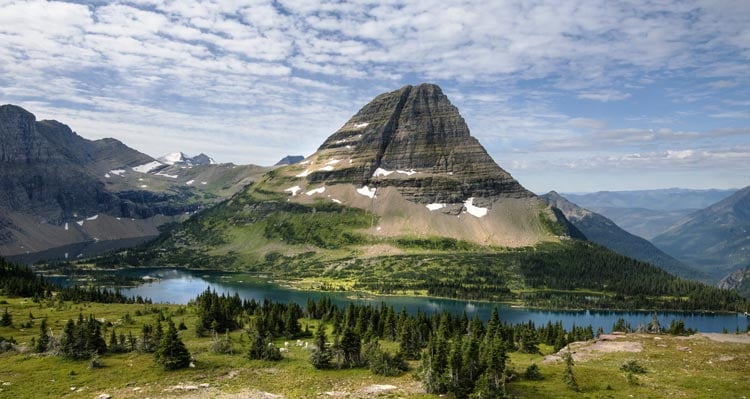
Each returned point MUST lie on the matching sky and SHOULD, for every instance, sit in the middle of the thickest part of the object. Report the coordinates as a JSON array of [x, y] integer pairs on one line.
[[568, 95]]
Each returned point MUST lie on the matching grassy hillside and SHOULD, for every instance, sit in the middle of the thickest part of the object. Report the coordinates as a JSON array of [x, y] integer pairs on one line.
[[326, 244]]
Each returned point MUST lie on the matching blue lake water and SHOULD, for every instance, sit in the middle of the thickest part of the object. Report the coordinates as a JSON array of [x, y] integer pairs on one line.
[[179, 286]]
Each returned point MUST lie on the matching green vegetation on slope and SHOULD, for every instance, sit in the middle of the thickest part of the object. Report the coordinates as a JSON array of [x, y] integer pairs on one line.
[[259, 231]]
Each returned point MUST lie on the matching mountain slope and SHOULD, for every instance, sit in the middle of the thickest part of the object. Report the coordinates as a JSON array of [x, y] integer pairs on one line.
[[403, 168], [55, 185], [642, 222], [715, 240], [402, 200], [739, 281], [603, 231]]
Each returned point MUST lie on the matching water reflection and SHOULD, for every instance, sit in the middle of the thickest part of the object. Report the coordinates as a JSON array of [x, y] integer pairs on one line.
[[180, 286]]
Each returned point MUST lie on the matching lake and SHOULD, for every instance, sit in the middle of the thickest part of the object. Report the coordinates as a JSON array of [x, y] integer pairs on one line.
[[179, 286]]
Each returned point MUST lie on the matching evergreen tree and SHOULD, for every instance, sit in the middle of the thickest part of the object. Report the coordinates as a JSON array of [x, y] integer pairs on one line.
[[496, 361], [434, 367], [148, 341], [409, 346], [6, 320], [42, 344], [568, 377], [532, 373], [172, 353], [321, 354], [351, 347]]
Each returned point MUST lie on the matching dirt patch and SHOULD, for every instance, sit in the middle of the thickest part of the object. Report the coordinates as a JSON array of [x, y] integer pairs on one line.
[[583, 351], [378, 389], [731, 338], [216, 394]]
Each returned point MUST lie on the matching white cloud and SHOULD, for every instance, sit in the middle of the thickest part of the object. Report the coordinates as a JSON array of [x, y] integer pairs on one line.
[[253, 81]]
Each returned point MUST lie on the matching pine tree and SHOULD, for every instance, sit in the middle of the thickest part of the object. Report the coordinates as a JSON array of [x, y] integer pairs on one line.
[[351, 346], [42, 344], [6, 320], [172, 353], [568, 377], [321, 354]]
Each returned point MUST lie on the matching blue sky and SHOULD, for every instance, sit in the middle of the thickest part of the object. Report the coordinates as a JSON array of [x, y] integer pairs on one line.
[[567, 95]]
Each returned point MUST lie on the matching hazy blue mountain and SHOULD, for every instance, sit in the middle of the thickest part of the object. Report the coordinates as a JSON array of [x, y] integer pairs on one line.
[[604, 231], [662, 199], [716, 239]]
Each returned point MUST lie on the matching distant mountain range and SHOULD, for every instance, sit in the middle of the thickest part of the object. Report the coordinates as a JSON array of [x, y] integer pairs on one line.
[[58, 189], [604, 231], [716, 239], [648, 213]]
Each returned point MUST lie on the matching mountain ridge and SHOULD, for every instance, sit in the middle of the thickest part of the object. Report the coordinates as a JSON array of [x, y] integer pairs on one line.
[[715, 239], [54, 180], [604, 231]]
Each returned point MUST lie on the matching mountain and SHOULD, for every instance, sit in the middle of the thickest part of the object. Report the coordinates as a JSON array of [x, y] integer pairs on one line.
[[59, 189], [603, 231], [408, 157], [290, 160], [404, 167], [181, 159], [716, 239], [403, 200], [661, 200], [739, 281], [642, 222], [648, 213]]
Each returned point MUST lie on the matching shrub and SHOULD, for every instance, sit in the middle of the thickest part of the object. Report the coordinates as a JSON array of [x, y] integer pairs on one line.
[[632, 366], [533, 373]]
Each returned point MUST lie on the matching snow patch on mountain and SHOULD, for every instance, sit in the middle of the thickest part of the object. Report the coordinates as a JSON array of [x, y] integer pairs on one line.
[[147, 167], [475, 210]]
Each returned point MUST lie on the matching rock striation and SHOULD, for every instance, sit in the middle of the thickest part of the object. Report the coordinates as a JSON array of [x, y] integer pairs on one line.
[[415, 140]]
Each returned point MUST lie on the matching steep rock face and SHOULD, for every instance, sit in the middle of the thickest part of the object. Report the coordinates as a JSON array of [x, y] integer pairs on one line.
[[739, 280], [603, 231], [52, 181], [421, 145], [42, 170]]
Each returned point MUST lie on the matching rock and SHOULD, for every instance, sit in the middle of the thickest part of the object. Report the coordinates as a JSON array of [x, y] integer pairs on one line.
[[416, 129], [204, 385], [104, 396]]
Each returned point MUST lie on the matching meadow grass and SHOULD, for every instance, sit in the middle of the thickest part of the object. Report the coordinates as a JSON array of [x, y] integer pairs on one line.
[[693, 367]]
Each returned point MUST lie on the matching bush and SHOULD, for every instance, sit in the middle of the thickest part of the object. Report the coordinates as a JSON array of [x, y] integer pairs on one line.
[[381, 362], [533, 373], [632, 366]]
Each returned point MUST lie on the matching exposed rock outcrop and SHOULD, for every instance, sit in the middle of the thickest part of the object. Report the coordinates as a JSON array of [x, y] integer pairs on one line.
[[414, 139]]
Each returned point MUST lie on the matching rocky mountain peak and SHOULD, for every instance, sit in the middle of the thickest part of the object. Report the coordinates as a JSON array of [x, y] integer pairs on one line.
[[414, 139]]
